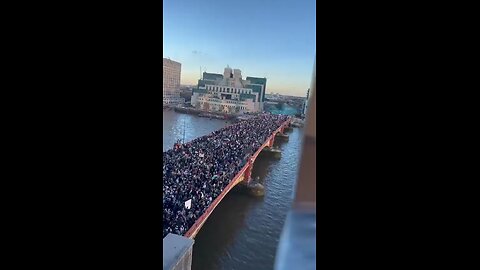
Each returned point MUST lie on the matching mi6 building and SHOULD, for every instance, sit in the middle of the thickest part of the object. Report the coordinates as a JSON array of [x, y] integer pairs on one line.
[[229, 92]]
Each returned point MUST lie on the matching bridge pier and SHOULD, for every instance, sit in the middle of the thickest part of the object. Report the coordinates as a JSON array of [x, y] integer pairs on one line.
[[272, 151], [254, 187], [271, 141], [282, 135], [247, 175]]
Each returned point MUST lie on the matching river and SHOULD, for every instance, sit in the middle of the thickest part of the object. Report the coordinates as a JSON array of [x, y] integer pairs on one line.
[[243, 231], [286, 109]]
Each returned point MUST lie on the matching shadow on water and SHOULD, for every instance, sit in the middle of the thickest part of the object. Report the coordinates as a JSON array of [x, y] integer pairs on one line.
[[221, 228], [262, 166], [227, 221]]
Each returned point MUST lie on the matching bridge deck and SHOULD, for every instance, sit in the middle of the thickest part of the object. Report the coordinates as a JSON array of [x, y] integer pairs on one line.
[[239, 177]]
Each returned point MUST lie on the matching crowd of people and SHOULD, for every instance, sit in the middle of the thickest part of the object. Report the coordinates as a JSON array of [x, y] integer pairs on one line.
[[200, 170]]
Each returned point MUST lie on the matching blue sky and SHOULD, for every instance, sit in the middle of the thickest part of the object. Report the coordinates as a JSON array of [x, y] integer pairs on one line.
[[263, 38]]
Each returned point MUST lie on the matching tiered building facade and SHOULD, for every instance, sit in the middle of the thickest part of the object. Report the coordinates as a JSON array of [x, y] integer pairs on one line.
[[229, 93]]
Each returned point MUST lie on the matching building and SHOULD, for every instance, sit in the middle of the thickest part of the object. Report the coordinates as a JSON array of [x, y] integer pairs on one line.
[[171, 82], [229, 93]]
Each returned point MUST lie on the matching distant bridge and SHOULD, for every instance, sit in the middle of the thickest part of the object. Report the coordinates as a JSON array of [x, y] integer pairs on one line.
[[244, 175]]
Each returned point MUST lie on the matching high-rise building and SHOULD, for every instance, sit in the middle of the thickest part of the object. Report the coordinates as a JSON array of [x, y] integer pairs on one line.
[[171, 82], [229, 93]]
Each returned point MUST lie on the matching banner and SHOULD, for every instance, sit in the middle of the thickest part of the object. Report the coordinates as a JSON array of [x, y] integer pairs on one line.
[[188, 204]]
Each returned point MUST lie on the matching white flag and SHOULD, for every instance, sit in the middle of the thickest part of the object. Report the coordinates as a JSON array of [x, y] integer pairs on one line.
[[188, 204]]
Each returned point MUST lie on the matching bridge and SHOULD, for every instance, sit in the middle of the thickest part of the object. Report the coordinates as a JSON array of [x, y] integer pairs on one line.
[[243, 176], [177, 249]]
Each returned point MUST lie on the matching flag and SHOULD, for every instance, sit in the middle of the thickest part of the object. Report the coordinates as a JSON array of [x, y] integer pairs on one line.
[[188, 204]]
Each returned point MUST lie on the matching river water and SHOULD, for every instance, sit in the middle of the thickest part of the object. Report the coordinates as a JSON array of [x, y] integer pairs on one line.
[[286, 109], [243, 231]]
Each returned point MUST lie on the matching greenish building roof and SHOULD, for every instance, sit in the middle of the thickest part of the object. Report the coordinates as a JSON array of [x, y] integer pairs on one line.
[[209, 78], [212, 76], [262, 81], [244, 97], [255, 80], [200, 83], [197, 90], [255, 88]]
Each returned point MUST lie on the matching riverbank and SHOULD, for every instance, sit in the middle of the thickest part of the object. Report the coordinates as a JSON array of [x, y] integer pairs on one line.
[[216, 115]]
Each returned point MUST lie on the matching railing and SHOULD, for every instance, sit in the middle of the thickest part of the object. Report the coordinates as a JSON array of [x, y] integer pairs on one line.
[[199, 223], [192, 232]]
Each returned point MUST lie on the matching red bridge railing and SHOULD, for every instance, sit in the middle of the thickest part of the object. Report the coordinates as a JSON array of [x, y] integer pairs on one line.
[[192, 232]]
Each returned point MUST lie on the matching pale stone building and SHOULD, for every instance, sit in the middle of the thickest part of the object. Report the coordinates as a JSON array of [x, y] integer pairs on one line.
[[229, 93], [171, 82]]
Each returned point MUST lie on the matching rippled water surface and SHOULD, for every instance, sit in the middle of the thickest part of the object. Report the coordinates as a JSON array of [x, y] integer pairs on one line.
[[243, 231]]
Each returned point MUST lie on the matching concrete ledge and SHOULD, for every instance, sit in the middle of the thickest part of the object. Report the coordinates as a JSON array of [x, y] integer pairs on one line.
[[297, 243], [177, 252]]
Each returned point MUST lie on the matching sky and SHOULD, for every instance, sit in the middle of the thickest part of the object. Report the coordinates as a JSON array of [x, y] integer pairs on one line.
[[275, 39]]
